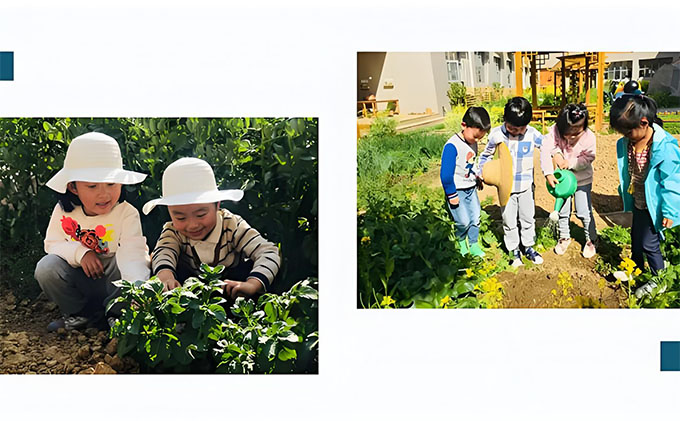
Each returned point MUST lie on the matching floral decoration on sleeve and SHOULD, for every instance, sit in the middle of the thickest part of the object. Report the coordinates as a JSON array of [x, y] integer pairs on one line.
[[92, 239]]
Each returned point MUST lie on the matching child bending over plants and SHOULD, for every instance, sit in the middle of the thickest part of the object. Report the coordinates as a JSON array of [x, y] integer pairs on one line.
[[94, 236], [649, 174], [460, 179], [200, 232], [570, 145]]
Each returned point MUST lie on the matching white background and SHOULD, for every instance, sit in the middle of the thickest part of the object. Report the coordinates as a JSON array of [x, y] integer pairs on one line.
[[166, 59]]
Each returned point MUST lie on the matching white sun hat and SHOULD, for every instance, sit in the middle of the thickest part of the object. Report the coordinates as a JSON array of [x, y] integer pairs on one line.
[[93, 157], [190, 181]]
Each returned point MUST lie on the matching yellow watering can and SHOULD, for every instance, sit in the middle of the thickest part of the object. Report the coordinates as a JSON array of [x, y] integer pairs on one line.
[[565, 187]]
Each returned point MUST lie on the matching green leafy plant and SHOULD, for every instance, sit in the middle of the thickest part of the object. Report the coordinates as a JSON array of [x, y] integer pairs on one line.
[[383, 126], [456, 94], [188, 329]]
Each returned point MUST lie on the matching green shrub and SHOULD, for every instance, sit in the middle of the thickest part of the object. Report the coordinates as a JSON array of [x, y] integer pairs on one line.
[[383, 126], [644, 85], [187, 329], [456, 94], [273, 160], [665, 100]]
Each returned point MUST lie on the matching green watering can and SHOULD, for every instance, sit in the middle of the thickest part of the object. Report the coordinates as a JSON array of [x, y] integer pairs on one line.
[[565, 187]]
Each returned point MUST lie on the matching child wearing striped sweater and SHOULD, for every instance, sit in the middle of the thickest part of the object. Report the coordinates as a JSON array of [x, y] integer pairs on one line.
[[201, 232]]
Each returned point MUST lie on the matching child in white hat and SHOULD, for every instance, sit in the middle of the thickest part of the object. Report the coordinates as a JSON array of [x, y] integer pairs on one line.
[[201, 232], [94, 236]]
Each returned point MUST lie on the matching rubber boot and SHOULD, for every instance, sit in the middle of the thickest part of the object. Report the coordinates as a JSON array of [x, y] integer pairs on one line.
[[476, 250], [463, 246]]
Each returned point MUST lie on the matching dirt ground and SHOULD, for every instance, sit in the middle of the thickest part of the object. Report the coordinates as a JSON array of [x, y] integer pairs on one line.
[[532, 285], [27, 348]]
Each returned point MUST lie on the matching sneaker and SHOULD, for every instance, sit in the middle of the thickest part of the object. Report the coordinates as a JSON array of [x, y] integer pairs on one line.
[[562, 246], [533, 255], [476, 250], [463, 246], [68, 323], [589, 250], [517, 258], [645, 289]]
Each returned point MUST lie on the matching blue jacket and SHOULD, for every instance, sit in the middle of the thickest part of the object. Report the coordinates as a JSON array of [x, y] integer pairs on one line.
[[662, 185]]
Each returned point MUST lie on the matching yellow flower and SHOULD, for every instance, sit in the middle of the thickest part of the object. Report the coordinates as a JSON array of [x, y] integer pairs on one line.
[[601, 283], [366, 240], [637, 271], [387, 301], [444, 301], [469, 272], [554, 292]]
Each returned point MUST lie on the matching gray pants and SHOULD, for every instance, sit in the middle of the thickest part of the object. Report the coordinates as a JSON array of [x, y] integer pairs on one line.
[[584, 212], [520, 206], [72, 290]]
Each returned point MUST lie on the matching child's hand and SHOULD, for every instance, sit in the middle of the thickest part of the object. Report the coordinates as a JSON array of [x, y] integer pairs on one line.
[[551, 180], [560, 162], [168, 279], [667, 223], [91, 265], [454, 201], [480, 184], [247, 289]]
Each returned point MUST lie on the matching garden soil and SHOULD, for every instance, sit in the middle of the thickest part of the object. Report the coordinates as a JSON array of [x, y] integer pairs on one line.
[[532, 285], [27, 348]]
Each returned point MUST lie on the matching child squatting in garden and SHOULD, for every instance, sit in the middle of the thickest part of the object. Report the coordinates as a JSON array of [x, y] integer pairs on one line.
[[521, 139], [201, 232], [649, 174], [459, 177], [94, 236], [570, 145]]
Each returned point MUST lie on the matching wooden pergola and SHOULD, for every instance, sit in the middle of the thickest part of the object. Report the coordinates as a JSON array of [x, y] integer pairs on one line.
[[580, 67]]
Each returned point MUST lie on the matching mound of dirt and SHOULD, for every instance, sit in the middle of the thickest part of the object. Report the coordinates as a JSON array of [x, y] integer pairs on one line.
[[27, 348]]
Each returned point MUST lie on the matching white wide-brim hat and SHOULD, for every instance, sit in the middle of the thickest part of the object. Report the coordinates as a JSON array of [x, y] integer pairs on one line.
[[190, 181], [95, 158]]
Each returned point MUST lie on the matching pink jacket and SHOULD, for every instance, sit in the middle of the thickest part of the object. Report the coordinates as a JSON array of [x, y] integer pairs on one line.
[[580, 156]]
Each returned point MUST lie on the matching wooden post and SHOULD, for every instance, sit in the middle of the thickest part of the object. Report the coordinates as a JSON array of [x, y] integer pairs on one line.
[[555, 84], [564, 82], [587, 85], [599, 109], [518, 73], [532, 79]]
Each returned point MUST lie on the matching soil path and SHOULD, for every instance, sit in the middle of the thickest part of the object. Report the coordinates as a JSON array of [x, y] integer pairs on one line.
[[532, 285], [27, 347]]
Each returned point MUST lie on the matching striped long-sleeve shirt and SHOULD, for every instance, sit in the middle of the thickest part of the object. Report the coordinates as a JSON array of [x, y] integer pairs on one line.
[[230, 242]]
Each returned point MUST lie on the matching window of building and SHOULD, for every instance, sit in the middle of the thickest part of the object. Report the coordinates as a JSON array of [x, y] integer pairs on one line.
[[619, 70], [649, 67], [455, 70]]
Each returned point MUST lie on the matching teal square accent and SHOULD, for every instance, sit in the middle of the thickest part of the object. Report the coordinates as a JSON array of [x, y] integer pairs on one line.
[[6, 65], [670, 356]]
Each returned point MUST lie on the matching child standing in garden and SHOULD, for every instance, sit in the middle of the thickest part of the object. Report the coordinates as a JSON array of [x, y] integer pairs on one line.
[[570, 145], [649, 174], [521, 140], [459, 177], [94, 236], [201, 232]]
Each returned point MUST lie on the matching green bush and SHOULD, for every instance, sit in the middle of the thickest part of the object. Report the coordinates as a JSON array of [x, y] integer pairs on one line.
[[383, 126], [644, 85], [456, 94], [273, 160], [187, 329], [665, 100]]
